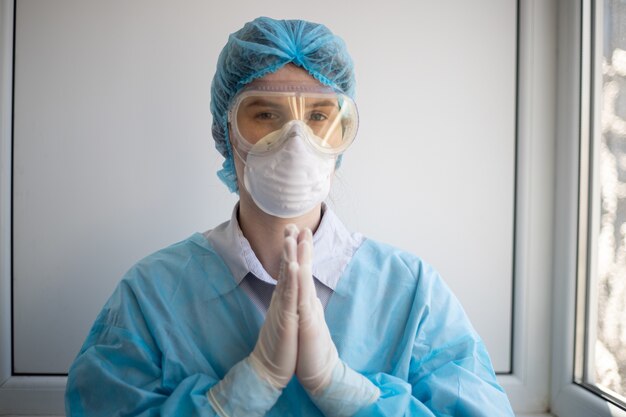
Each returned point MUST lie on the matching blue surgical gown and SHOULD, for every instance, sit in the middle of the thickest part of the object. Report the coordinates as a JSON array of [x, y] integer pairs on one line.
[[178, 322]]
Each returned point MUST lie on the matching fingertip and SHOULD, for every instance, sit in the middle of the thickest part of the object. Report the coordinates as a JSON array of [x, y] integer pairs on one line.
[[304, 234], [291, 230]]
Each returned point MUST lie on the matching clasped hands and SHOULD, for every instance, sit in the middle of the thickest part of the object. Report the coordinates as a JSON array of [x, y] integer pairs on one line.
[[295, 337]]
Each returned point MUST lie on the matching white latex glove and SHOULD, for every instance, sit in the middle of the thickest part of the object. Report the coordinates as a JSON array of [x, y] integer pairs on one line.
[[317, 354], [275, 353], [252, 386], [334, 387]]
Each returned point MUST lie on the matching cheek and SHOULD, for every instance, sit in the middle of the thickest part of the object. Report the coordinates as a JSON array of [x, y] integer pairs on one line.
[[250, 132]]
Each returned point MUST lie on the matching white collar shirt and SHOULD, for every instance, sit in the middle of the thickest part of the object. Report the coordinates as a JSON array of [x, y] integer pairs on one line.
[[333, 247]]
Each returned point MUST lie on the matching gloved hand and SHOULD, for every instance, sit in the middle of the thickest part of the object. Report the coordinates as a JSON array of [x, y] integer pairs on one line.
[[317, 354], [333, 386], [294, 337], [276, 350], [252, 386]]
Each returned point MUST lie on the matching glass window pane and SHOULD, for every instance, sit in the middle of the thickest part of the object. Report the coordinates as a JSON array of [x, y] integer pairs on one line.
[[606, 367]]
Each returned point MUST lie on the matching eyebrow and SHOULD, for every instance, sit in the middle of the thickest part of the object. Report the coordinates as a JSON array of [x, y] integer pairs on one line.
[[325, 103], [261, 102]]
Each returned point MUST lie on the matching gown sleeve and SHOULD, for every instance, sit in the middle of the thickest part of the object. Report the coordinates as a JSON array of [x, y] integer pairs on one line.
[[118, 371], [450, 373]]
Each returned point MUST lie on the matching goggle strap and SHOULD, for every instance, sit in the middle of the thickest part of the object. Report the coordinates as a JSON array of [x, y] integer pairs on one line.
[[234, 148]]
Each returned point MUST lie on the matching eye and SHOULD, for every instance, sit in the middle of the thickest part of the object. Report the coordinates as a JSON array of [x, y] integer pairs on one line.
[[318, 117], [266, 116]]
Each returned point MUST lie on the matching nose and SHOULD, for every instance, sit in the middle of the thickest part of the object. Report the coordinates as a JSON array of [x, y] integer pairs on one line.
[[296, 128]]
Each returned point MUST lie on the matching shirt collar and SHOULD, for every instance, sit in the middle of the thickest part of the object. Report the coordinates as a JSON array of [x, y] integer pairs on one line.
[[333, 247]]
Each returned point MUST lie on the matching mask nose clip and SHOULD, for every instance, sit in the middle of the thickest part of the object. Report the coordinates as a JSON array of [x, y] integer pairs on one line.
[[296, 128]]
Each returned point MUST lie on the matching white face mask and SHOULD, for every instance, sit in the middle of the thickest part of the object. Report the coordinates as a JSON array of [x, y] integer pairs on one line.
[[291, 180]]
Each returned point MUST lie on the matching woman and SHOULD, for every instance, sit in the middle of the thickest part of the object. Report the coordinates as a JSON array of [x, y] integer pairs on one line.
[[348, 327]]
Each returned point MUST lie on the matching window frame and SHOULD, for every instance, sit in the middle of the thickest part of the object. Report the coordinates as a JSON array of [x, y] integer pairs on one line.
[[528, 384], [18, 395], [577, 124]]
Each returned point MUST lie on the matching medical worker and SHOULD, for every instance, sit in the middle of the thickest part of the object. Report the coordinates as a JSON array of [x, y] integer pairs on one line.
[[282, 311]]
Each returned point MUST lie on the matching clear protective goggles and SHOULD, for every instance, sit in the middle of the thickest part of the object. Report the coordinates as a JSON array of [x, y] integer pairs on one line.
[[262, 115]]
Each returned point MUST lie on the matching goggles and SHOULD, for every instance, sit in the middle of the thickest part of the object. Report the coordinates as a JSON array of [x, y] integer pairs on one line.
[[262, 117]]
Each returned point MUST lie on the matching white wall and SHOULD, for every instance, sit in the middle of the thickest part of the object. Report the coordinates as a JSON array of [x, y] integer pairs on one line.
[[113, 157]]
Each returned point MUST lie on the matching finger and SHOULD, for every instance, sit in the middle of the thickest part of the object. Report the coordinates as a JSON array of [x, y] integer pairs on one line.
[[290, 294], [306, 288], [305, 256], [290, 249], [287, 287], [291, 230], [305, 260], [283, 309], [289, 257]]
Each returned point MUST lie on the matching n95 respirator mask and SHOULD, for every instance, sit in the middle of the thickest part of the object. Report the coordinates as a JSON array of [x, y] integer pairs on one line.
[[292, 179]]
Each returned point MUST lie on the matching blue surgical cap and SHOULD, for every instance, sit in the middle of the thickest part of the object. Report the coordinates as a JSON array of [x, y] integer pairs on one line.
[[261, 47]]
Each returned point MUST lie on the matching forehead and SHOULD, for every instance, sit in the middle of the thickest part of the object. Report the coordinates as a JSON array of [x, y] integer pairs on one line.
[[289, 74]]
